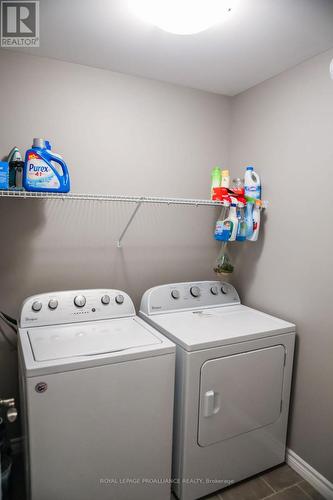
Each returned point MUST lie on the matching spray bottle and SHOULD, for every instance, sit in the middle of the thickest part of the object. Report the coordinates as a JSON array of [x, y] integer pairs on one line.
[[256, 221], [233, 219], [222, 227], [242, 226], [252, 188]]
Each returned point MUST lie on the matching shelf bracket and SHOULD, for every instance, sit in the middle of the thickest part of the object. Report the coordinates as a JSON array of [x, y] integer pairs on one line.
[[130, 220]]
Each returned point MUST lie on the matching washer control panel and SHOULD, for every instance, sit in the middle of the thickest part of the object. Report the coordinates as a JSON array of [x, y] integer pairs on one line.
[[74, 306], [177, 296]]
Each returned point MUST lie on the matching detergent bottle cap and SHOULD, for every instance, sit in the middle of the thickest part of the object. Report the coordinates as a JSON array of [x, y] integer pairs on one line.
[[249, 167], [38, 143]]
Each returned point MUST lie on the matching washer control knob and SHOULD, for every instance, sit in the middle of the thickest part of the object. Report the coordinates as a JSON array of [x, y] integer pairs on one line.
[[214, 290], [195, 291], [224, 289], [80, 301], [36, 306], [53, 304], [105, 300], [175, 294], [120, 299]]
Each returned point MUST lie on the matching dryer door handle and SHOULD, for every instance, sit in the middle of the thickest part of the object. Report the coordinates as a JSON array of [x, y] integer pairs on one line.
[[211, 403]]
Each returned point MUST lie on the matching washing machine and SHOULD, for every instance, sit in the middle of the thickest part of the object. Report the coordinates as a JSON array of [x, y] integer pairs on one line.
[[97, 388], [233, 377]]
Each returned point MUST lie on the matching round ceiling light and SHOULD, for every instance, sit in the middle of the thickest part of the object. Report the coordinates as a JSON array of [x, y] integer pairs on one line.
[[181, 17]]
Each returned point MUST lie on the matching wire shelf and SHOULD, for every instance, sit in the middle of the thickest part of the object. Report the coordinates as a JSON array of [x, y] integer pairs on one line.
[[138, 200], [108, 198]]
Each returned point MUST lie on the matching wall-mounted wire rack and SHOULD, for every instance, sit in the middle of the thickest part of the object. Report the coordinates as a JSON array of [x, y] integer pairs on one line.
[[137, 200]]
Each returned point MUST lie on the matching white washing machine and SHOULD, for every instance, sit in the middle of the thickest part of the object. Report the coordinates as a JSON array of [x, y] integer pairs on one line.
[[97, 393], [233, 376]]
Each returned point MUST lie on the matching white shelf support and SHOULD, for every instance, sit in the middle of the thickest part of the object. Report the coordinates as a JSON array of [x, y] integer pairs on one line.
[[130, 220]]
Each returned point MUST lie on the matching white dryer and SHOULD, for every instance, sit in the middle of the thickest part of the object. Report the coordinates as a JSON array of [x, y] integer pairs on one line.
[[97, 386], [233, 377]]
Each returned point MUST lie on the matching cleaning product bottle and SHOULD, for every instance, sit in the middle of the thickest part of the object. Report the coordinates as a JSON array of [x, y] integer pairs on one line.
[[249, 219], [225, 180], [16, 166], [226, 228], [252, 189], [233, 219], [241, 230], [252, 183], [237, 186], [256, 221], [45, 170], [216, 180], [222, 227]]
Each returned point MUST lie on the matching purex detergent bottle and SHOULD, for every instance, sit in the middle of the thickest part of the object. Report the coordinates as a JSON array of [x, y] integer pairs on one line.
[[45, 170]]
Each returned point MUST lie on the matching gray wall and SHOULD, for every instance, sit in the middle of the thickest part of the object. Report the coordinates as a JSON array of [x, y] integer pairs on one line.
[[119, 135], [285, 127]]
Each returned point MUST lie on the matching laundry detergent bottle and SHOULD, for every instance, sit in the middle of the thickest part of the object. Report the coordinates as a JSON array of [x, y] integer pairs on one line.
[[45, 170]]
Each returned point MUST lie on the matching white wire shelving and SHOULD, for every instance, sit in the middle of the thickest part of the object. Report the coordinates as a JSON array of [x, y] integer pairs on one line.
[[137, 200], [107, 197]]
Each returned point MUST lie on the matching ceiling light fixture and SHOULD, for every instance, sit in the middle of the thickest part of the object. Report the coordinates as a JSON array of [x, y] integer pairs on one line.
[[181, 17]]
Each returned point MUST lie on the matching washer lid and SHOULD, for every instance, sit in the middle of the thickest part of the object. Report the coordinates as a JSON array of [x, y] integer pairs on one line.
[[88, 339], [213, 327]]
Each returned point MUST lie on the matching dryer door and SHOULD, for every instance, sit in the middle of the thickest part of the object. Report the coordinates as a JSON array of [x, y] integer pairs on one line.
[[240, 393]]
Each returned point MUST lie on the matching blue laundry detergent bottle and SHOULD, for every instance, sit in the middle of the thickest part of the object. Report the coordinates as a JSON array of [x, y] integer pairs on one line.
[[45, 170]]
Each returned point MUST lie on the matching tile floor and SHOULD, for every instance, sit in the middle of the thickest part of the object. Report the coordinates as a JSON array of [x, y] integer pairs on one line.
[[280, 483]]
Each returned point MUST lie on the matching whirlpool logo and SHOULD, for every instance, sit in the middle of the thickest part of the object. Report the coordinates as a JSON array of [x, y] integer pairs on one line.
[[19, 24]]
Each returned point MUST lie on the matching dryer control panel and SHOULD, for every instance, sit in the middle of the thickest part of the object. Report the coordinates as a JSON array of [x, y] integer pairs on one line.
[[192, 295], [74, 306]]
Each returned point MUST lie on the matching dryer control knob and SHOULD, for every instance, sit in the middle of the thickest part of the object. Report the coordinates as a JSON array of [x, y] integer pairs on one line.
[[224, 289], [175, 294], [214, 290], [36, 306], [195, 291], [53, 304], [80, 301], [120, 299], [105, 300]]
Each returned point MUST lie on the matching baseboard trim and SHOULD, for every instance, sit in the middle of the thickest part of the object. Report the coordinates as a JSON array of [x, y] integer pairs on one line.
[[311, 475]]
